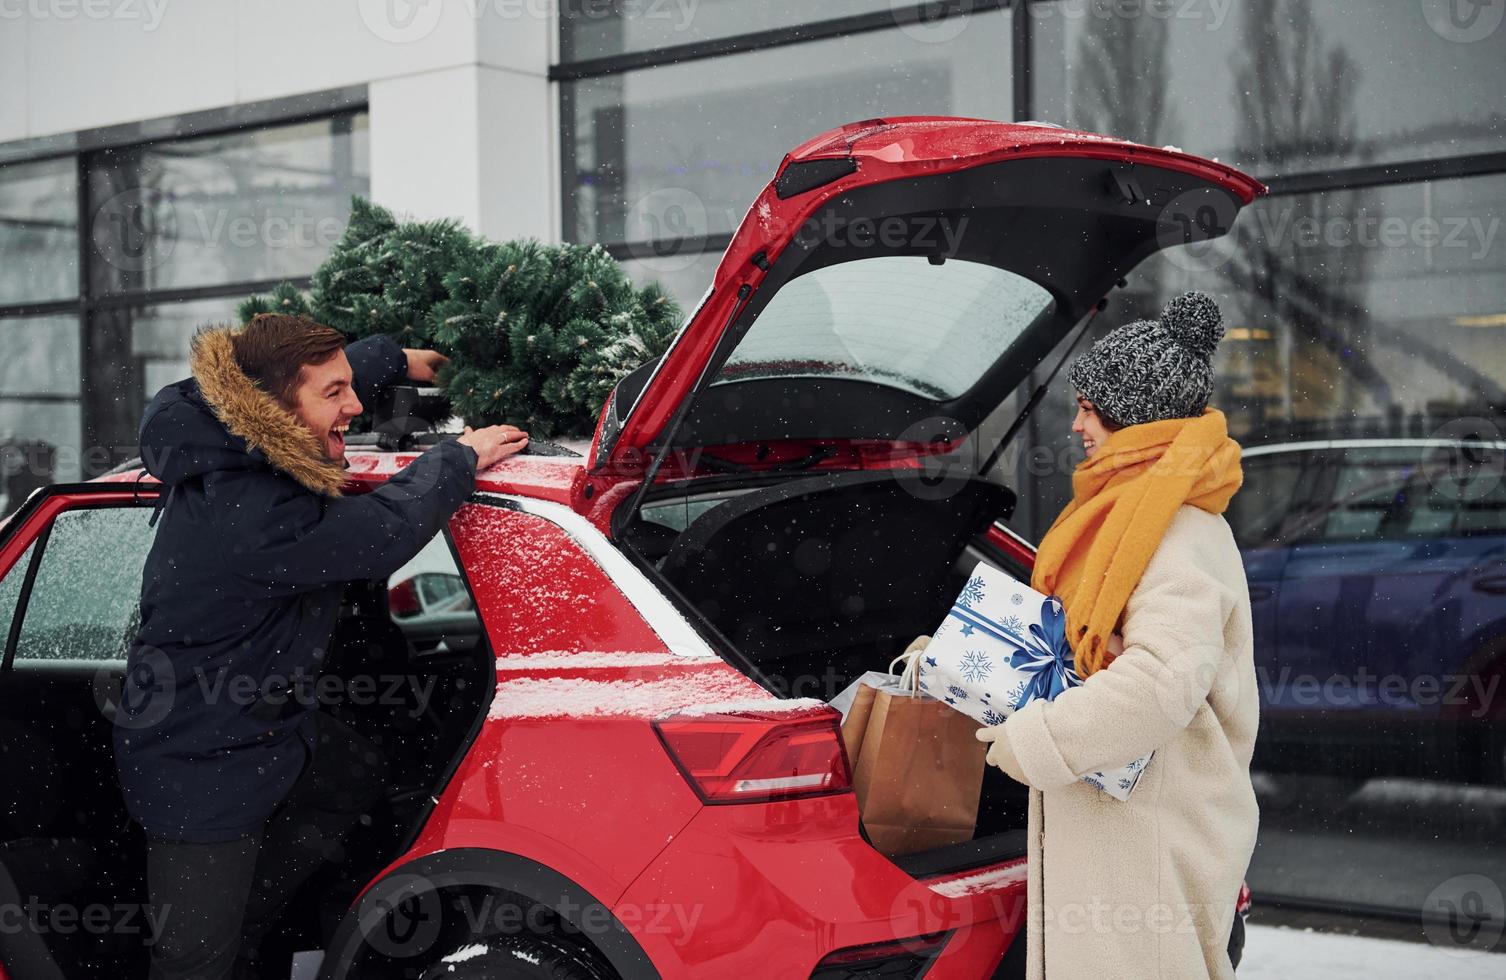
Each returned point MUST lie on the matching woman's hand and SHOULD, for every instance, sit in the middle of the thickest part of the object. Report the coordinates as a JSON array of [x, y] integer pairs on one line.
[[1001, 753], [424, 365]]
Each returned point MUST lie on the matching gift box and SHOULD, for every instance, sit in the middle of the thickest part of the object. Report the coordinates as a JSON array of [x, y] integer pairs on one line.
[[1003, 645]]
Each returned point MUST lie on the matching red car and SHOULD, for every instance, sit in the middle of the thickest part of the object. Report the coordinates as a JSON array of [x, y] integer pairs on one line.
[[624, 767]]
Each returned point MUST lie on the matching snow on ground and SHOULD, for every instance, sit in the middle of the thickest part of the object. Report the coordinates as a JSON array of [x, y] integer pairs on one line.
[[1283, 953]]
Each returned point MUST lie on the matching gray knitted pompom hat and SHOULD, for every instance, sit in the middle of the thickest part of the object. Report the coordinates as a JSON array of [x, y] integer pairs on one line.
[[1154, 369]]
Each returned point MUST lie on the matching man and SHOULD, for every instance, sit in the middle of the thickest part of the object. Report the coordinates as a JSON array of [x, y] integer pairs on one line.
[[240, 785]]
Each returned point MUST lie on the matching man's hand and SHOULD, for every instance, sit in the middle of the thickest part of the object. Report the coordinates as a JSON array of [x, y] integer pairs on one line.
[[424, 365], [494, 443]]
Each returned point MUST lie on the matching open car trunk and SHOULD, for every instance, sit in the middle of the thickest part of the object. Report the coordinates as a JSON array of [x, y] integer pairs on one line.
[[892, 286], [814, 580]]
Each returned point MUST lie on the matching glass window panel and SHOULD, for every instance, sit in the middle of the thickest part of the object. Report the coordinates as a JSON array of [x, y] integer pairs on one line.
[[679, 152], [40, 435], [1368, 313], [429, 602], [10, 586], [260, 204], [893, 320], [593, 29], [1276, 86], [39, 231], [41, 442], [686, 277], [160, 336], [41, 356], [85, 601]]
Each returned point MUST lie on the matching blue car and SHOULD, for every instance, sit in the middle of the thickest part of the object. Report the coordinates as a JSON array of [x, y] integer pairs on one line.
[[1377, 574]]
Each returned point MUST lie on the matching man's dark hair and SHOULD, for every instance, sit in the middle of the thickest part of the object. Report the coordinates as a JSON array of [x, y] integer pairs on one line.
[[272, 349]]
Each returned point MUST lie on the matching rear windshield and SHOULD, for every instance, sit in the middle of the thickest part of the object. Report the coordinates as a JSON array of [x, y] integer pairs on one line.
[[896, 320]]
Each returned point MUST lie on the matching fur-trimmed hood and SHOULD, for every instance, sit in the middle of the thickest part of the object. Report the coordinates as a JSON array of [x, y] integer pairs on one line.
[[221, 420]]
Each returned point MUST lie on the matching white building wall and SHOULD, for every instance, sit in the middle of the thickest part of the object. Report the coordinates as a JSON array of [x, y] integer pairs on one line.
[[462, 112]]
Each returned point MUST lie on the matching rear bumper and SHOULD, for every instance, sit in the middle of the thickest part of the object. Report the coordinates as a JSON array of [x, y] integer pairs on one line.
[[769, 890]]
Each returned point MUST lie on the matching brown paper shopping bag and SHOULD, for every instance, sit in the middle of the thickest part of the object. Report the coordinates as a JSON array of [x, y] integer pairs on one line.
[[918, 773], [855, 725]]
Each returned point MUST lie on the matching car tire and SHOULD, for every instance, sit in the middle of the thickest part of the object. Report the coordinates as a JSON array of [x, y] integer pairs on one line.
[[517, 957]]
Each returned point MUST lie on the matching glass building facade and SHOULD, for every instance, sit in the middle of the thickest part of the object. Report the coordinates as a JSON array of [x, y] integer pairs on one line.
[[1363, 368], [114, 256]]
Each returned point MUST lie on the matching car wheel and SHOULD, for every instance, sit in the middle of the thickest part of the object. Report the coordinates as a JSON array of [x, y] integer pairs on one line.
[[516, 957]]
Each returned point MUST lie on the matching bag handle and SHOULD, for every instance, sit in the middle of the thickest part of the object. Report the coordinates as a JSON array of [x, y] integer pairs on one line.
[[910, 676]]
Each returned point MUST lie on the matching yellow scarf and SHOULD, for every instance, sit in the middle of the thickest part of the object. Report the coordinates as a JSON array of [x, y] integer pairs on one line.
[[1123, 498]]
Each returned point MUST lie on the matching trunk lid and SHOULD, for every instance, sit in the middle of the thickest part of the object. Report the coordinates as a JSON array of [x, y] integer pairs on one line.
[[903, 270]]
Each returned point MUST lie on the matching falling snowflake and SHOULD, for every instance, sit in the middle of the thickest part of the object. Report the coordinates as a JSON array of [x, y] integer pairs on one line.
[[972, 593], [1126, 783], [959, 693], [1013, 624], [1017, 599], [992, 717], [975, 666]]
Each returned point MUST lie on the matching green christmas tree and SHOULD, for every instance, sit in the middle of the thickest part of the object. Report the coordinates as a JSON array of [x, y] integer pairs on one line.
[[537, 334]]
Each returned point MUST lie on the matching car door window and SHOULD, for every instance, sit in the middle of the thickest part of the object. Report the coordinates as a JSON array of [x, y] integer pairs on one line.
[[10, 590], [429, 602], [84, 603], [1261, 510]]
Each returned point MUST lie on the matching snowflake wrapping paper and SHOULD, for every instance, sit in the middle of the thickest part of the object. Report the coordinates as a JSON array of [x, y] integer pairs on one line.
[[1003, 645]]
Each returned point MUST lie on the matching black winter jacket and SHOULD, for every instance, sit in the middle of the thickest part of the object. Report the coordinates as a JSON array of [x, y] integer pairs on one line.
[[243, 584]]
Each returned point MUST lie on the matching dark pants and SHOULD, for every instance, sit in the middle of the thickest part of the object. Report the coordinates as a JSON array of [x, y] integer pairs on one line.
[[217, 901]]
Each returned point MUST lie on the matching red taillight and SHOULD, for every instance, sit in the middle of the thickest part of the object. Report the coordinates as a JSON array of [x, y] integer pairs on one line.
[[922, 948], [402, 599], [751, 758]]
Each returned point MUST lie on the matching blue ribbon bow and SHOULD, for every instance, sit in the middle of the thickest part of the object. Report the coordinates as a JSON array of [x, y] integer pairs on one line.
[[1045, 655]]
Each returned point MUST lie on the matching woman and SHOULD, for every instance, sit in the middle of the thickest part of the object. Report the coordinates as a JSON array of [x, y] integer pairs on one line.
[[1143, 888]]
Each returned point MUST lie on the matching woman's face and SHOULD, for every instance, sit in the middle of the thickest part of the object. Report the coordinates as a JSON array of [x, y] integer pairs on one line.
[[1089, 426]]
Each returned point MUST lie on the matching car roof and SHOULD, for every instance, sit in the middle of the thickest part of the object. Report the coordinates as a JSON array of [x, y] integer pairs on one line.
[[549, 478]]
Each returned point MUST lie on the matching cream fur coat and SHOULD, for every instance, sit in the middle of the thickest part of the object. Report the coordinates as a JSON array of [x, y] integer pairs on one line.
[[1146, 888]]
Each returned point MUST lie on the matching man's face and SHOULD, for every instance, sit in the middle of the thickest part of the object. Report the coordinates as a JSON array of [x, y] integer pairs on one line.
[[325, 402]]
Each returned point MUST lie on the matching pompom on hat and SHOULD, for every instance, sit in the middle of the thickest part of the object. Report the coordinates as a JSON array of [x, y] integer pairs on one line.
[[1154, 369]]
